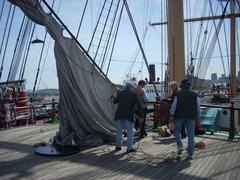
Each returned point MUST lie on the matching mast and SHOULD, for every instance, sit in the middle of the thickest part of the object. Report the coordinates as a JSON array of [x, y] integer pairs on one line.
[[233, 50], [176, 40]]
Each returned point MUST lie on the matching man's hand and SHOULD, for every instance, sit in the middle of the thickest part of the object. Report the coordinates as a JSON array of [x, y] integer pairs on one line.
[[171, 122], [172, 119]]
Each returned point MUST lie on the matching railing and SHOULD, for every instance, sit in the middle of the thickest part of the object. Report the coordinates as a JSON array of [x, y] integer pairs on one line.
[[232, 108], [28, 114], [232, 120]]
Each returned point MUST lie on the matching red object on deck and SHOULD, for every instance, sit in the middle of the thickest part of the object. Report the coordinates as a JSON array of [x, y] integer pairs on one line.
[[198, 129], [22, 99], [22, 105]]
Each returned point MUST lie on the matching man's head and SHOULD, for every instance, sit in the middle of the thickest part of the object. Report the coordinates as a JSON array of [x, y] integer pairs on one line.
[[173, 85], [141, 83], [129, 84], [185, 84]]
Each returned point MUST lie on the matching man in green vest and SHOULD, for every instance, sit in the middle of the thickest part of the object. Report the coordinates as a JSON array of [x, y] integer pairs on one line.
[[185, 109]]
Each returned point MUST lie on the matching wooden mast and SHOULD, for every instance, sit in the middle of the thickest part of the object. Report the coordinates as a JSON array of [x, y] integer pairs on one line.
[[176, 40], [227, 16]]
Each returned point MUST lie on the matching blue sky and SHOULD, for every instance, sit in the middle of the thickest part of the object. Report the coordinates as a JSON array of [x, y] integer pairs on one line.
[[143, 11]]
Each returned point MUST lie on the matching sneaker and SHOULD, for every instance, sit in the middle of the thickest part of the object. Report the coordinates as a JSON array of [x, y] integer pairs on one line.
[[180, 150], [131, 150], [118, 148], [189, 157], [142, 136]]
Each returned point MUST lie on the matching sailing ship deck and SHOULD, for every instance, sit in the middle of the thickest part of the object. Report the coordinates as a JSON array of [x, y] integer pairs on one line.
[[219, 160]]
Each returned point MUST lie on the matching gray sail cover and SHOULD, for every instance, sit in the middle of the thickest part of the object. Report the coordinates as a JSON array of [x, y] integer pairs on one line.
[[86, 110]]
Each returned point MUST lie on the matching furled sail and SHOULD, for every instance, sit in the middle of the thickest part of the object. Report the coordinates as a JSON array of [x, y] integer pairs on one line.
[[86, 110]]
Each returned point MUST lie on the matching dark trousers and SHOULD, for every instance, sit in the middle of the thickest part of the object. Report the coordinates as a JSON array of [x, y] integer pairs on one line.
[[143, 124]]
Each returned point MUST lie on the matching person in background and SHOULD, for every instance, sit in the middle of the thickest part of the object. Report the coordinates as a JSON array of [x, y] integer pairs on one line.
[[2, 107], [185, 109], [174, 88], [127, 100], [143, 99]]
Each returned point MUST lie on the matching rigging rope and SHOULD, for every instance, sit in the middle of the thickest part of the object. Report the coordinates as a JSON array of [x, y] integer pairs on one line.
[[75, 40], [227, 47], [191, 35], [83, 14], [2, 10], [6, 45], [109, 36], [130, 67], [162, 39], [187, 31], [166, 79], [102, 33], [202, 50], [204, 42], [23, 44], [238, 46], [201, 55], [220, 49], [5, 28], [95, 29], [40, 60], [115, 37], [200, 29], [45, 59], [16, 46], [139, 42], [212, 45], [238, 3], [22, 71], [41, 54], [44, 62]]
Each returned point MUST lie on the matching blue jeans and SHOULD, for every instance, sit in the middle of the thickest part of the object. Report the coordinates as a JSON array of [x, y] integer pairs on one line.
[[190, 126], [124, 124]]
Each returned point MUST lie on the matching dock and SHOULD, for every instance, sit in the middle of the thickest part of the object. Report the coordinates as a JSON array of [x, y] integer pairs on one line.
[[155, 158]]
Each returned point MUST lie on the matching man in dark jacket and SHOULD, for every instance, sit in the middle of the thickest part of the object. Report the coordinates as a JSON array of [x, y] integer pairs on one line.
[[185, 109], [127, 101]]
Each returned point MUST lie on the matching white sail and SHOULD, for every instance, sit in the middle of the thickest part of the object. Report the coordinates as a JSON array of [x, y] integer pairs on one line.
[[86, 109]]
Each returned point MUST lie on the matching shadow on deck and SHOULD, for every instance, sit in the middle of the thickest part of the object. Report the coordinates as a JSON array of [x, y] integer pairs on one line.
[[219, 160]]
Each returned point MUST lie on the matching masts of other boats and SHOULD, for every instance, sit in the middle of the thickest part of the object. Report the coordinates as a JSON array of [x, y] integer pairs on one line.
[[176, 40]]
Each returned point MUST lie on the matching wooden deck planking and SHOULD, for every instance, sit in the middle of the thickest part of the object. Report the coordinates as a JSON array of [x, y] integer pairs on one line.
[[231, 163], [211, 157], [220, 159], [194, 167], [235, 173], [224, 156]]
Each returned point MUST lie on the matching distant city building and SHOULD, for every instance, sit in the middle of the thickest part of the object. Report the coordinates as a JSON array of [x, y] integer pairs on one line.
[[214, 77], [224, 78], [238, 75]]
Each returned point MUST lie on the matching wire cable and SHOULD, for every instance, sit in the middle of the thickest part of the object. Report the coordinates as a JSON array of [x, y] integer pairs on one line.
[[5, 28], [6, 45], [2, 10], [115, 37], [83, 14], [16, 45]]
